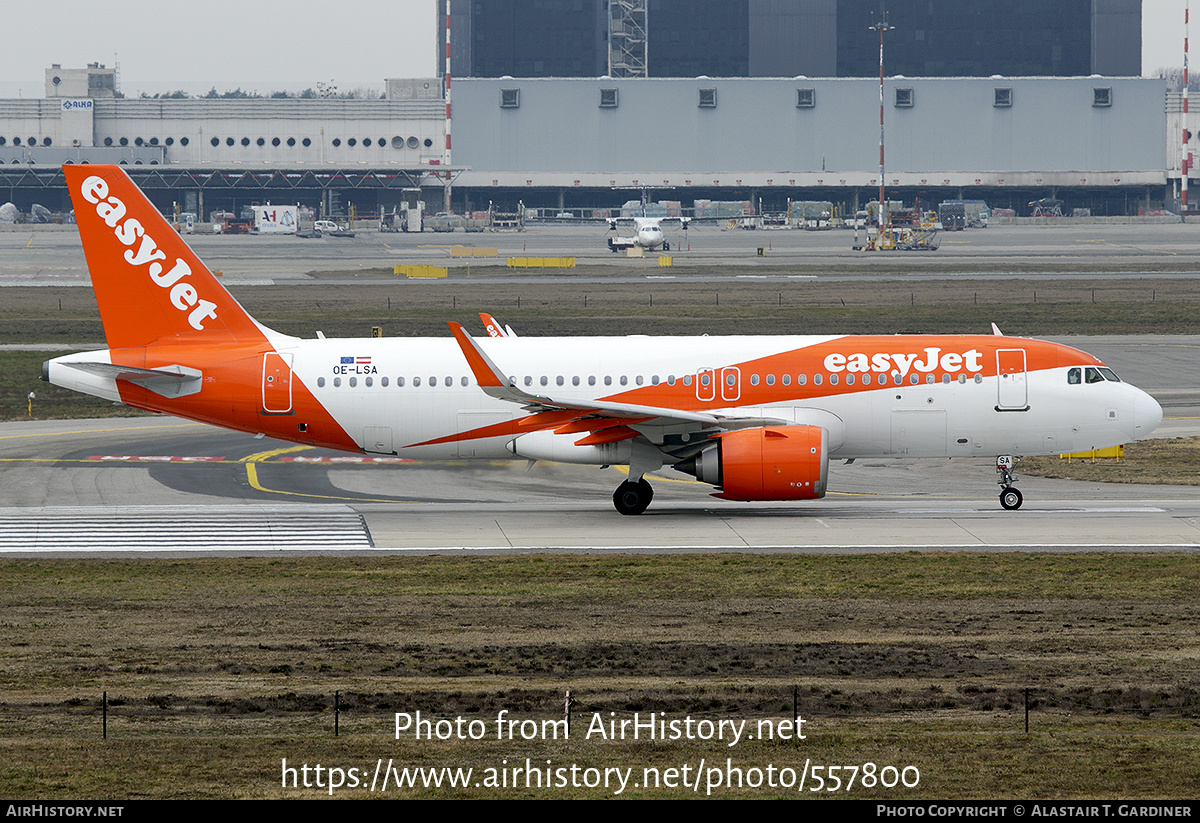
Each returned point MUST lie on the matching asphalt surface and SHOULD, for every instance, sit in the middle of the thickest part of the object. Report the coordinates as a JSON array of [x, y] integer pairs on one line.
[[56, 258], [127, 467]]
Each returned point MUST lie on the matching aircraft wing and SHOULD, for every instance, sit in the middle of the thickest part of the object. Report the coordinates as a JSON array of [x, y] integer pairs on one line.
[[603, 414]]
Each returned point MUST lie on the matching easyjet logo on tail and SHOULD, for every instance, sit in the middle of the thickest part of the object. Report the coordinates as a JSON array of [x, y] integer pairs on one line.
[[886, 363], [144, 251]]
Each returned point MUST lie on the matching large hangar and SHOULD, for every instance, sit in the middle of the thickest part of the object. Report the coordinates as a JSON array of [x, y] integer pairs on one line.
[[1024, 135], [1099, 142]]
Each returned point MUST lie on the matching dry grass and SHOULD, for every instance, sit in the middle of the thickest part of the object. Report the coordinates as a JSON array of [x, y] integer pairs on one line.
[[217, 668], [680, 306], [1175, 461]]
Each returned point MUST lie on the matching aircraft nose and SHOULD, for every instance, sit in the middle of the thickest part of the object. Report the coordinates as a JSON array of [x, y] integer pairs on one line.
[[1147, 414]]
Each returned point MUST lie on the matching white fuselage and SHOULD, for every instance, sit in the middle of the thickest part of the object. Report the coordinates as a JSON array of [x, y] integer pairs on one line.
[[431, 392]]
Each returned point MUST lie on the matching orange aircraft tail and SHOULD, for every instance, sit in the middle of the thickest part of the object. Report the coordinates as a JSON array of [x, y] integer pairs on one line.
[[149, 285]]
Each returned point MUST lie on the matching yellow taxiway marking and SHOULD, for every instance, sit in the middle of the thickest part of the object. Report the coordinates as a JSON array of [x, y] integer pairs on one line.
[[1104, 242], [101, 431], [252, 461], [30, 243], [259, 457]]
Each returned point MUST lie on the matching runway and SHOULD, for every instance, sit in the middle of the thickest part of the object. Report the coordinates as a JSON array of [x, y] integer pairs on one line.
[[169, 486]]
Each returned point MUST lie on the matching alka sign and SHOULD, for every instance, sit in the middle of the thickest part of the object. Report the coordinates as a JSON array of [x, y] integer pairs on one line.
[[77, 105]]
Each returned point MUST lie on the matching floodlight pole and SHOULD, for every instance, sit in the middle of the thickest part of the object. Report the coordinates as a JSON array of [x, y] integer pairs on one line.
[[881, 27]]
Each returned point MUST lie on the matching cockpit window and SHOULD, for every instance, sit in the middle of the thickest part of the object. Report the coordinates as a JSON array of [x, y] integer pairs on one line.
[[1073, 376], [1093, 375], [1109, 374]]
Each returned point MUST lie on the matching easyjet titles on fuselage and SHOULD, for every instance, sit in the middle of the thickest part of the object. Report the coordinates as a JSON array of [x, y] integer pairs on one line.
[[183, 294], [882, 363]]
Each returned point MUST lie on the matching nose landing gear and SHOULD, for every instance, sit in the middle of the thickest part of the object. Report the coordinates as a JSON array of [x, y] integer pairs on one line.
[[1010, 497]]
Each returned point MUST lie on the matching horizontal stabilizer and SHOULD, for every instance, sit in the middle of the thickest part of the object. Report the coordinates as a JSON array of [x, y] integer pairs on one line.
[[167, 381]]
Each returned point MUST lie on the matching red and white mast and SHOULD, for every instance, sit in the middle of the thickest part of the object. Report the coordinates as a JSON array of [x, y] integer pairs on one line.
[[1186, 164], [446, 152]]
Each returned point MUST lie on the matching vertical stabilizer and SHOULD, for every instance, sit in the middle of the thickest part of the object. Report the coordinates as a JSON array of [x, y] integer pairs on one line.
[[149, 285]]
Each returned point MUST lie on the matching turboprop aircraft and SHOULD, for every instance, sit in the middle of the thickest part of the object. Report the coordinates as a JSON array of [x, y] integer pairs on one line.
[[648, 233], [759, 418]]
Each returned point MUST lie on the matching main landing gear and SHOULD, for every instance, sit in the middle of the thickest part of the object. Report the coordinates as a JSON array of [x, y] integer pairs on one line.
[[1010, 497], [633, 497]]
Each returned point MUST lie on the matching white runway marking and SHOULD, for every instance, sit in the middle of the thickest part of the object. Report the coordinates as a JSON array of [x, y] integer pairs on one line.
[[173, 529]]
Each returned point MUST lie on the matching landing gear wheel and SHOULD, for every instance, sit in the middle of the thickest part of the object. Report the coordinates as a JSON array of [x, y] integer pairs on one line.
[[633, 498], [1011, 499]]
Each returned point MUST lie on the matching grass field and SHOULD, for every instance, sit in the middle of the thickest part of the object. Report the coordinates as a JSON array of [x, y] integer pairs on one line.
[[217, 669], [1175, 461], [774, 305]]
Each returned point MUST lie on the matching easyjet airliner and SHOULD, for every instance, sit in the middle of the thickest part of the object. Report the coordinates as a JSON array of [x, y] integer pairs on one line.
[[759, 418]]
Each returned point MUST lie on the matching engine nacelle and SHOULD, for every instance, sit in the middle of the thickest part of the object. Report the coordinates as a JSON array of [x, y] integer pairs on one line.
[[772, 463]]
